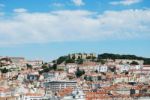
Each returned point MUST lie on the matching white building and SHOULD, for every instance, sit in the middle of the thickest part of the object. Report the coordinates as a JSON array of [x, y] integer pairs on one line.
[[89, 66], [123, 67], [102, 68], [136, 67], [4, 92], [32, 96], [76, 94], [128, 61], [71, 67], [55, 86]]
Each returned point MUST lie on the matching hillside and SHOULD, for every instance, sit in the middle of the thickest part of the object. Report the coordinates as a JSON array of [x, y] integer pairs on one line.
[[67, 59], [118, 56]]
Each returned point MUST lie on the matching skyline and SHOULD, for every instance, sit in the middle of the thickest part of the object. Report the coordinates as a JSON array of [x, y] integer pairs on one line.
[[49, 29]]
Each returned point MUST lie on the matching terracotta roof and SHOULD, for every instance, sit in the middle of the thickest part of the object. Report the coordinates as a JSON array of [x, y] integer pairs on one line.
[[97, 95], [2, 89], [65, 91], [88, 64], [146, 65], [33, 94], [8, 98]]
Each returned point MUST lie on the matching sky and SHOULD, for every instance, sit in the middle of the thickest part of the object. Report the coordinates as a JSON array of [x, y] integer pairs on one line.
[[47, 29]]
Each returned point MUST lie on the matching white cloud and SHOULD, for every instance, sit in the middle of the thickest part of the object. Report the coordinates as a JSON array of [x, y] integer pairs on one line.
[[20, 10], [58, 4], [78, 2], [78, 25], [125, 2], [2, 5]]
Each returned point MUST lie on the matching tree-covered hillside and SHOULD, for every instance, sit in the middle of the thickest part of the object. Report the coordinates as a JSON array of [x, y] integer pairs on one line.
[[67, 59], [118, 56]]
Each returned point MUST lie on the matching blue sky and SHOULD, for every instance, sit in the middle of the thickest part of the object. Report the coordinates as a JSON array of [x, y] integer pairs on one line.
[[38, 29]]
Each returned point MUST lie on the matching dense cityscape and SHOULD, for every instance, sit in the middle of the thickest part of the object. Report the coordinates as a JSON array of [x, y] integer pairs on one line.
[[78, 76], [74, 49]]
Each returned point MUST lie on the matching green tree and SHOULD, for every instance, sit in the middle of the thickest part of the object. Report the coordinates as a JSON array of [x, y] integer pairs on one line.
[[61, 59], [88, 57], [29, 66], [4, 70], [46, 69], [134, 63], [40, 72], [146, 61], [96, 71], [90, 78], [69, 60], [73, 57], [44, 65], [80, 61], [85, 77], [55, 66], [93, 58], [79, 72]]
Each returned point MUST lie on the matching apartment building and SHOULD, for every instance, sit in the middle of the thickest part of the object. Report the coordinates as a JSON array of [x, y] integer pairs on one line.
[[55, 86]]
